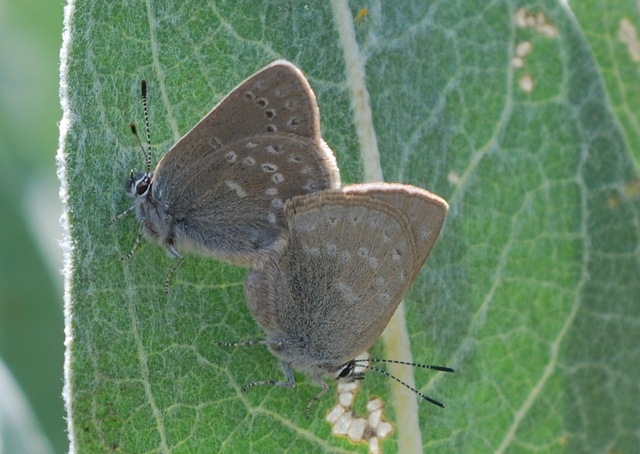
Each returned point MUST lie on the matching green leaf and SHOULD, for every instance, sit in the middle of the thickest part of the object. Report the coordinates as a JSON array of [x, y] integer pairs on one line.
[[530, 293]]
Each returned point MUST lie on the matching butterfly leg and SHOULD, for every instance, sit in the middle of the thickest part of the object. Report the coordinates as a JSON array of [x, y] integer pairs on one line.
[[317, 397], [290, 383], [170, 274], [123, 214], [135, 245], [243, 344]]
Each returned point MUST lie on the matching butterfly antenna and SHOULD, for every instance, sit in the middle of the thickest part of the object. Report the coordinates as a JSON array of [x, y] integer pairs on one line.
[[146, 153], [405, 363], [146, 124], [423, 366]]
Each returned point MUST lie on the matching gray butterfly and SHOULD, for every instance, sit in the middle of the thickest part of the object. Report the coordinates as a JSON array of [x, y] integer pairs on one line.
[[351, 257], [221, 188]]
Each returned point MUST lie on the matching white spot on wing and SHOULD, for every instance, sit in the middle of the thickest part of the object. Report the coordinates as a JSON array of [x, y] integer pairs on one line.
[[236, 188]]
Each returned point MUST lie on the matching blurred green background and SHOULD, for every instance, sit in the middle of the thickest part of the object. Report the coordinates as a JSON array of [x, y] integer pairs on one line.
[[31, 321]]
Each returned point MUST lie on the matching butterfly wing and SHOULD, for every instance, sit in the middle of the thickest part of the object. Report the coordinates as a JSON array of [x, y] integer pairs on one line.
[[277, 98], [350, 259], [229, 203], [424, 210]]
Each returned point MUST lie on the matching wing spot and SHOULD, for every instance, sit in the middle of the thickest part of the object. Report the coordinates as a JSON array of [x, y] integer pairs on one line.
[[240, 192], [293, 122], [384, 297], [332, 219], [215, 143], [346, 291], [269, 167], [311, 186], [363, 252]]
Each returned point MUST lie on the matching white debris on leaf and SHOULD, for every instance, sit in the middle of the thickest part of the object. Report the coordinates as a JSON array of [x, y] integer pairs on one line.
[[627, 35], [374, 404], [335, 413], [384, 429], [539, 23], [375, 418], [535, 21], [341, 426], [357, 429], [526, 83], [374, 445], [346, 399]]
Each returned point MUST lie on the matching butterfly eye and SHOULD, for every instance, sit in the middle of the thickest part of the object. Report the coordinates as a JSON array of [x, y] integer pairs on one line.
[[347, 370], [143, 186]]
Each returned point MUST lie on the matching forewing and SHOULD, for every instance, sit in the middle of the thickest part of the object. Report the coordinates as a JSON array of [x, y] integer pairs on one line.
[[277, 98]]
